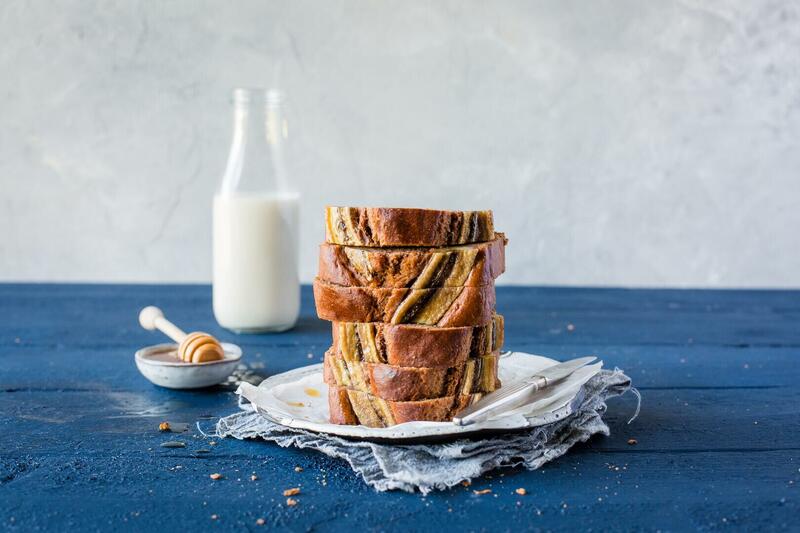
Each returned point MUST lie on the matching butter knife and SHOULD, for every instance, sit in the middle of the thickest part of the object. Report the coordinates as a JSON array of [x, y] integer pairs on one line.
[[507, 398]]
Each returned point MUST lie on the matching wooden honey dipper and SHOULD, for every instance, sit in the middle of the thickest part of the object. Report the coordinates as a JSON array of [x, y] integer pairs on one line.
[[196, 347]]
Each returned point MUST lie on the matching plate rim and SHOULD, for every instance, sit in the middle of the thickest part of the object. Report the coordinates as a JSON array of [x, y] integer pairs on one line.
[[233, 354]]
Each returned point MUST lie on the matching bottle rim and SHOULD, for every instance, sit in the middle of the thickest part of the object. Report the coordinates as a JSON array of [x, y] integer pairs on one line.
[[248, 95]]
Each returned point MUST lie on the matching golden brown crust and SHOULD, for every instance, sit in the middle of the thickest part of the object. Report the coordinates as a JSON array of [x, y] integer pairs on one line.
[[340, 410], [398, 383], [419, 268], [355, 407], [443, 307], [413, 345], [391, 226]]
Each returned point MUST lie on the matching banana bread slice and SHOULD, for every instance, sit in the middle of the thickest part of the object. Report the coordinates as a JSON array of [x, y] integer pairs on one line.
[[415, 346], [470, 265], [390, 226], [400, 383], [354, 407], [443, 307]]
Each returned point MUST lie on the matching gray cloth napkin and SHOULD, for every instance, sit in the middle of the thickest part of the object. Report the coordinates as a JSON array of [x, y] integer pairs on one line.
[[426, 467]]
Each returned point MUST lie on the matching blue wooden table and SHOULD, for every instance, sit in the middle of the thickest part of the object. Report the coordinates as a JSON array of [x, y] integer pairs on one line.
[[717, 441]]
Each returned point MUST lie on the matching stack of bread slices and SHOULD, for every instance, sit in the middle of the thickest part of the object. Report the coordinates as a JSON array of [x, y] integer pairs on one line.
[[411, 296]]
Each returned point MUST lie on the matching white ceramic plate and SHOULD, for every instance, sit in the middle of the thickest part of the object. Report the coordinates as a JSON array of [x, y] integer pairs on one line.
[[299, 399], [159, 364]]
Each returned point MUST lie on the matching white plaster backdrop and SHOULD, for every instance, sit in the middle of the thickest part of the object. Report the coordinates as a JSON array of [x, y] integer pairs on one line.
[[618, 142]]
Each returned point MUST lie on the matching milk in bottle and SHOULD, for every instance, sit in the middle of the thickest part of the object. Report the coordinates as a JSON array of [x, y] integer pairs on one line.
[[255, 234]]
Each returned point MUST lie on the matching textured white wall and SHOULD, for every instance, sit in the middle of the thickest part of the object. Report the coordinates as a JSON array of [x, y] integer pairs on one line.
[[619, 142]]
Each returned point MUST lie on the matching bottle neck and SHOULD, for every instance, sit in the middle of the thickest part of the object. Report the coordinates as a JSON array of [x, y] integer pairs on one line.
[[256, 160]]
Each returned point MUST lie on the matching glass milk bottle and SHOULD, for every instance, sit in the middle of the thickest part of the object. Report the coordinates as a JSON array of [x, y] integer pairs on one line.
[[256, 286]]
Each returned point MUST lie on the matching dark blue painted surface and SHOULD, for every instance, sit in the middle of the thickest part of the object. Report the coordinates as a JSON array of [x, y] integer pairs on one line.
[[718, 436]]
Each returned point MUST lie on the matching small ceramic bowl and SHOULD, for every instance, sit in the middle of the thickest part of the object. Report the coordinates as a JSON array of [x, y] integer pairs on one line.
[[160, 365]]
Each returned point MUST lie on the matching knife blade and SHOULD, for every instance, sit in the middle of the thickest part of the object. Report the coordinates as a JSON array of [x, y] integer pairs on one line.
[[507, 398]]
